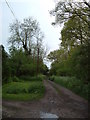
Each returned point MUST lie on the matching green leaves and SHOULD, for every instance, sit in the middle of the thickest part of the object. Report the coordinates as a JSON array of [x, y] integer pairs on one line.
[[72, 57], [25, 34], [65, 10], [18, 63]]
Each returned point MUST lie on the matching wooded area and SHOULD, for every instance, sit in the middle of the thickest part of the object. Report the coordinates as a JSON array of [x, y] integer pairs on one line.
[[32, 90], [26, 52], [72, 58], [25, 60]]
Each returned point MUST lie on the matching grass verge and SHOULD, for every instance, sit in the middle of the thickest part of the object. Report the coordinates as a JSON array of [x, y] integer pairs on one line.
[[23, 91], [72, 83]]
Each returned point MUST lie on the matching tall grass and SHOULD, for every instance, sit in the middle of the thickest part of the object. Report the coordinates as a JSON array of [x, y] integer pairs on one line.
[[23, 90], [72, 83]]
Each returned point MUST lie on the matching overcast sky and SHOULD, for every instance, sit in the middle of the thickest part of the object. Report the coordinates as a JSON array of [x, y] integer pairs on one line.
[[39, 10]]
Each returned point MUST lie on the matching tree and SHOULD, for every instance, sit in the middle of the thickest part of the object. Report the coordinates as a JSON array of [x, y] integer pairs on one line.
[[58, 59], [28, 36], [25, 34], [75, 16], [72, 57], [57, 55], [65, 10], [17, 60], [79, 62], [75, 32]]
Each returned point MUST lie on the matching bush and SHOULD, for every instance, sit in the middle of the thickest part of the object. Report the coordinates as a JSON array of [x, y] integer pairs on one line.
[[42, 76], [13, 79], [52, 78], [34, 78]]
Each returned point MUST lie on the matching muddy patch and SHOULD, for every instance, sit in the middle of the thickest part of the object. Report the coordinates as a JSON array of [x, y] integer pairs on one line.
[[52, 105]]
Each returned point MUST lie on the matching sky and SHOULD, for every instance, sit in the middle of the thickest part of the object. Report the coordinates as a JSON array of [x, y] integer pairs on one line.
[[39, 10]]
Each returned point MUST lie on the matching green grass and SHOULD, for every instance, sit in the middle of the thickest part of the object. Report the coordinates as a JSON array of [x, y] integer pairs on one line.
[[32, 90], [72, 83]]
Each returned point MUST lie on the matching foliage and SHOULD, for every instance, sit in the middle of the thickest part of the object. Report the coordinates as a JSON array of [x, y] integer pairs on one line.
[[63, 11], [72, 83], [5, 64], [13, 79], [75, 64], [26, 52], [18, 63], [27, 35], [79, 63], [75, 32], [23, 90], [72, 58], [32, 78]]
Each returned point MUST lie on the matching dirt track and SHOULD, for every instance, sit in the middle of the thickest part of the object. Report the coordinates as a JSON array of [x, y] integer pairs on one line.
[[57, 100]]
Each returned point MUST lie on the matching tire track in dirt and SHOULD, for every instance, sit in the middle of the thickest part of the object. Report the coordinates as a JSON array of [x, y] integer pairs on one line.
[[64, 104]]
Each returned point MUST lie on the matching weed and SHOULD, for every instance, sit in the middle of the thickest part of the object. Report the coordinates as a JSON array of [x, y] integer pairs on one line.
[[23, 90], [73, 84]]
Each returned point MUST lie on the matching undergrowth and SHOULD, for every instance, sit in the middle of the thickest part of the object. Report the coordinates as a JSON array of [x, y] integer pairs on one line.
[[72, 83]]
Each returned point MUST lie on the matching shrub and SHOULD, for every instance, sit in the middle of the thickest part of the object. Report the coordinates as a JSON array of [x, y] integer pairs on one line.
[[52, 78], [34, 78], [15, 79]]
